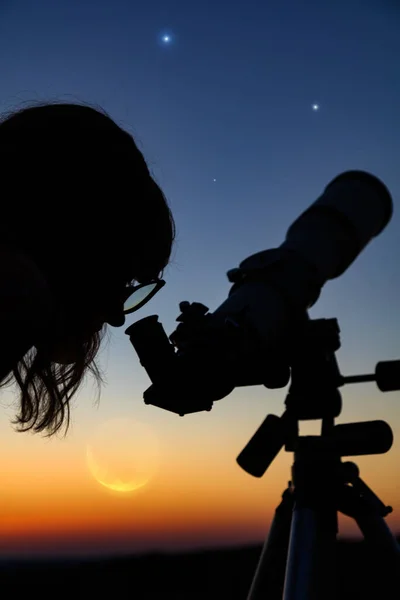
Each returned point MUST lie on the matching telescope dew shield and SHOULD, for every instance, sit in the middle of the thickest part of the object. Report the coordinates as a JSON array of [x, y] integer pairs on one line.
[[354, 208]]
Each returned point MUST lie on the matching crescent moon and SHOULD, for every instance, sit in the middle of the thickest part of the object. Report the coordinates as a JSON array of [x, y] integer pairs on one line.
[[123, 455], [104, 477]]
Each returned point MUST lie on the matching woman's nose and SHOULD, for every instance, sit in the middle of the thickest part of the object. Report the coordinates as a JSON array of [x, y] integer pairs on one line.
[[115, 318]]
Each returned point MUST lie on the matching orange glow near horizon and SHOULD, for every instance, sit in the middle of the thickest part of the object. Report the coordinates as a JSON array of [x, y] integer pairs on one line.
[[196, 496]]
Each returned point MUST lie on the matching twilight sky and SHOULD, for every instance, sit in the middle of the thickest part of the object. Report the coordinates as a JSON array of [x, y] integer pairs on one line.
[[244, 112]]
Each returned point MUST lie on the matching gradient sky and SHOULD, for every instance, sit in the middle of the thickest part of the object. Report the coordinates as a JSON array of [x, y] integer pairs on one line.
[[223, 114]]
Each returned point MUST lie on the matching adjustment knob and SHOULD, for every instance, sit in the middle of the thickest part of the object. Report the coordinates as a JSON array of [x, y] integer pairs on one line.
[[388, 375]]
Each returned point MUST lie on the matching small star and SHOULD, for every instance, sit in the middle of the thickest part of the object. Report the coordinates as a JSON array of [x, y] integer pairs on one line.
[[166, 39], [214, 180], [315, 107]]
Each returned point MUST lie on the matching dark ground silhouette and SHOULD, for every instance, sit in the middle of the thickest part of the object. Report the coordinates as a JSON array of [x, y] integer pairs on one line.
[[214, 574]]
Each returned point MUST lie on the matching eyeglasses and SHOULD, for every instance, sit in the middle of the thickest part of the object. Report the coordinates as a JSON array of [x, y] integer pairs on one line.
[[139, 295]]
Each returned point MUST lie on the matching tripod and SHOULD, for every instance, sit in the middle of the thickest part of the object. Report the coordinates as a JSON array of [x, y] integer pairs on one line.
[[298, 558]]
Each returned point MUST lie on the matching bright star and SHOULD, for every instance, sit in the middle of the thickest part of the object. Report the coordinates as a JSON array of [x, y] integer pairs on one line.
[[166, 39], [315, 106]]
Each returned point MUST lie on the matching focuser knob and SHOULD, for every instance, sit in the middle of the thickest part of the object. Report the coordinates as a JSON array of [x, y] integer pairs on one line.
[[191, 312]]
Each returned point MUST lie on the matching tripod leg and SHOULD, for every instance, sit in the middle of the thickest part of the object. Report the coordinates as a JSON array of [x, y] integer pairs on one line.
[[311, 566], [384, 551], [360, 503], [310, 573], [379, 536], [269, 577]]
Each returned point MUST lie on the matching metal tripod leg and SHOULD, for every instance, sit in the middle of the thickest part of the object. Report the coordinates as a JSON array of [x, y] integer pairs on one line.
[[369, 516], [360, 503], [385, 551], [268, 580], [311, 561], [310, 572]]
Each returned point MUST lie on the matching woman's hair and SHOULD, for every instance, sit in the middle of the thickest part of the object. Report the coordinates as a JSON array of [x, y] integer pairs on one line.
[[78, 198]]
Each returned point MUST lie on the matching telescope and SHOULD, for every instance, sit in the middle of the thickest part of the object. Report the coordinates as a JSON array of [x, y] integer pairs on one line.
[[262, 335], [249, 339]]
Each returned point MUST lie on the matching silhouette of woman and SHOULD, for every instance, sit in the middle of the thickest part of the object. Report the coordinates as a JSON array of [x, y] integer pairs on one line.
[[82, 220]]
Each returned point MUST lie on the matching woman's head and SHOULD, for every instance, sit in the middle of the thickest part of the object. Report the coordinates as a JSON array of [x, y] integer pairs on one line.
[[79, 200]]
